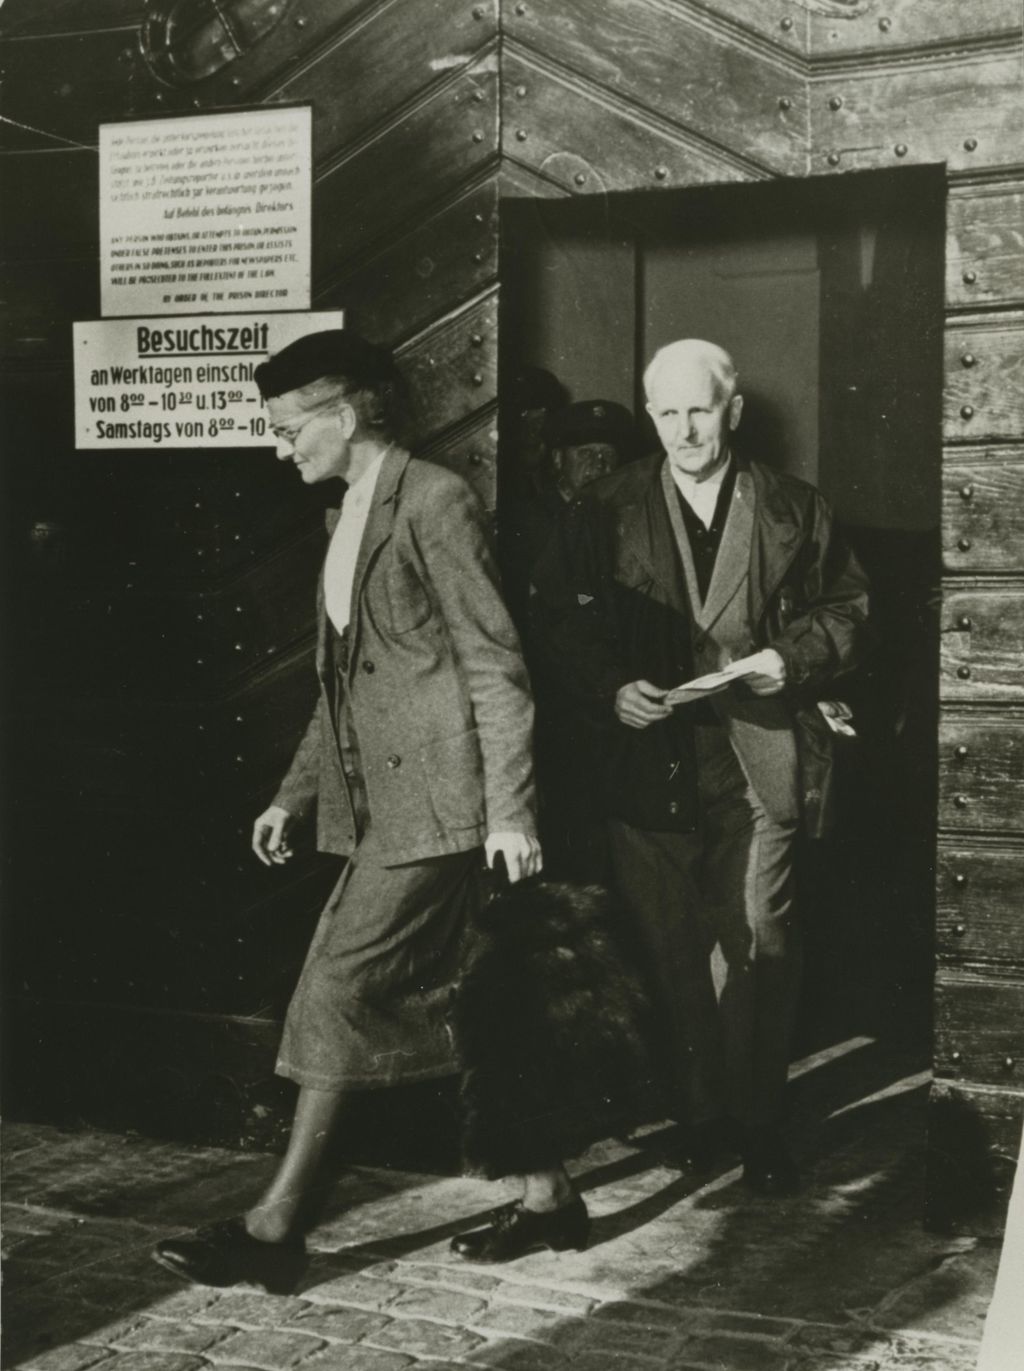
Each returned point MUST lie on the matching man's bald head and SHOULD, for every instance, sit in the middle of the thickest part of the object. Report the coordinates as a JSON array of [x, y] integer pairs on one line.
[[694, 356]]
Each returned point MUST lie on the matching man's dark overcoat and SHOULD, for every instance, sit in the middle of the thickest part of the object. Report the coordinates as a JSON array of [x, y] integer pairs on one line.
[[613, 609]]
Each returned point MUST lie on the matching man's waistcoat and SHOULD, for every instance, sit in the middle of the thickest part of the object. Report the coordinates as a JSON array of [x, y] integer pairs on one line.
[[760, 728]]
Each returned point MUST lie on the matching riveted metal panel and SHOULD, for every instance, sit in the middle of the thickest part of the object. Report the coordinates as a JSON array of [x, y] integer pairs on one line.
[[982, 644], [983, 510]]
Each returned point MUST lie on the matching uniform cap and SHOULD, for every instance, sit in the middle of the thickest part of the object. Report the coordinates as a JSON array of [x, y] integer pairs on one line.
[[592, 421]]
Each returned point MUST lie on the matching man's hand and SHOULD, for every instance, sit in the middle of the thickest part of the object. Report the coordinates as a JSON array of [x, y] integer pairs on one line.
[[770, 673], [268, 840], [521, 852], [640, 704]]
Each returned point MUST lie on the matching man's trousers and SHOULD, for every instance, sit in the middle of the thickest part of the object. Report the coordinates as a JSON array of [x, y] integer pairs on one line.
[[729, 885]]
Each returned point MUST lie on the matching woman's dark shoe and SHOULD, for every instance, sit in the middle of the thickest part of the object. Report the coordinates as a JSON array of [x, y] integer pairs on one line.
[[514, 1231], [226, 1253]]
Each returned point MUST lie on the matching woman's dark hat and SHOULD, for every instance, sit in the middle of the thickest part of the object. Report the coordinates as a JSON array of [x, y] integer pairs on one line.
[[332, 352]]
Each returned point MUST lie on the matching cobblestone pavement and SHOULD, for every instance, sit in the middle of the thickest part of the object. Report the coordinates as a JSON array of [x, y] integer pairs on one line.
[[840, 1276]]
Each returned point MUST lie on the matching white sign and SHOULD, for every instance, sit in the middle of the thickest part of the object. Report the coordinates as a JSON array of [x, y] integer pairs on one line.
[[180, 382], [209, 213]]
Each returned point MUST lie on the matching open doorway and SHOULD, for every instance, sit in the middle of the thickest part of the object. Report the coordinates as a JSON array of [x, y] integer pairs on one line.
[[828, 294]]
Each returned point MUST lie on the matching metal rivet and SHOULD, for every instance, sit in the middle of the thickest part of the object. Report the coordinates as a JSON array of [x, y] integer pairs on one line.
[[369, 667], [970, 144], [965, 623], [833, 159], [960, 752], [236, 81], [785, 103], [970, 277], [960, 878], [239, 647], [478, 379], [520, 10], [1008, 1063], [393, 762], [968, 359], [478, 11], [580, 179], [961, 802], [964, 672], [300, 23], [477, 339], [477, 97], [520, 135], [158, 98], [478, 137], [475, 459], [967, 491], [966, 411], [478, 256], [660, 173], [520, 92], [786, 24], [885, 25], [900, 149], [836, 102], [956, 1057], [959, 930], [964, 544]]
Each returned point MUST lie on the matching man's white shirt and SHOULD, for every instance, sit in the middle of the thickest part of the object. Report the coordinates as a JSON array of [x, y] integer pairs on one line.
[[701, 496], [343, 551]]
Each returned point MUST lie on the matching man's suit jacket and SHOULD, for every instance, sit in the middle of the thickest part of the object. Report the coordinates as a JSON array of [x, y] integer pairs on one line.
[[614, 608], [437, 687]]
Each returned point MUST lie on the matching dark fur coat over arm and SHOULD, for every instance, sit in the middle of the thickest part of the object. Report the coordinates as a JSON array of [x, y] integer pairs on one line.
[[550, 1024]]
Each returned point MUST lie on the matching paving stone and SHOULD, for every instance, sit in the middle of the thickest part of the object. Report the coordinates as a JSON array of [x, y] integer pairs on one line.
[[455, 1276], [270, 1349], [520, 1321], [448, 1306], [646, 1339], [153, 1361], [543, 1297], [730, 1354], [252, 1310], [423, 1339], [71, 1357], [361, 1359], [754, 1325], [340, 1325], [362, 1291], [520, 1356], [160, 1335], [183, 1304], [643, 1315]]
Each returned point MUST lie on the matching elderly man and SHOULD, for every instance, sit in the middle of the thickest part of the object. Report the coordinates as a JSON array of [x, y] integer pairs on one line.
[[417, 761], [675, 567]]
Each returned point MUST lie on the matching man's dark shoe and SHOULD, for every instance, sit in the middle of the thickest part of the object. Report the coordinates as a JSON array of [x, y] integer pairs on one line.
[[225, 1253], [514, 1231], [703, 1146], [768, 1165]]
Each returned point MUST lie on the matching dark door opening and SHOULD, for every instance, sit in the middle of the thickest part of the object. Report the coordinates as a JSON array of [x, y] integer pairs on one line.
[[829, 296]]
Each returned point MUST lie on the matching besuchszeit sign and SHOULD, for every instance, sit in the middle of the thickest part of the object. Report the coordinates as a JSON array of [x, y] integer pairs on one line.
[[185, 382]]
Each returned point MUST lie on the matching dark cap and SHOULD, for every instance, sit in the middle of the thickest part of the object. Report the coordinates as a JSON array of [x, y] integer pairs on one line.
[[592, 421], [333, 352]]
